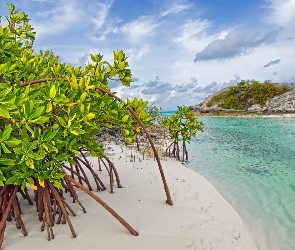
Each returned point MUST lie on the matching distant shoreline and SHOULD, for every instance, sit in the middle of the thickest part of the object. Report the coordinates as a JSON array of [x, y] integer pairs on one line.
[[245, 114]]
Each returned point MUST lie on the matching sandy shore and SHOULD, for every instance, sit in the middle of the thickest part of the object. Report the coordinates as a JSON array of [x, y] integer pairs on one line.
[[199, 219]]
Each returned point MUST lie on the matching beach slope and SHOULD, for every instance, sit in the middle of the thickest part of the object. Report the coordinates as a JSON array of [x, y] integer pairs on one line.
[[199, 219]]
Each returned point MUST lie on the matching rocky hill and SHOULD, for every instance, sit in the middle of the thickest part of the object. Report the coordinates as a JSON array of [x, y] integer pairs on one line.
[[279, 104]]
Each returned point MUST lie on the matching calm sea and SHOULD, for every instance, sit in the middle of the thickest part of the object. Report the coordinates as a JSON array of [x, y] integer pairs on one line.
[[251, 162]]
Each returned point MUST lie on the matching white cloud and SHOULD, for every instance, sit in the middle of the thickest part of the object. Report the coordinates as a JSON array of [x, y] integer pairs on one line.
[[142, 51], [175, 9], [193, 35], [67, 13], [191, 29], [140, 29], [282, 12], [99, 21]]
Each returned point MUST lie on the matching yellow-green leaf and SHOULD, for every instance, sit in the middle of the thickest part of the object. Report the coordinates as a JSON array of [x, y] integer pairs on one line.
[[89, 116], [4, 112], [125, 118], [12, 142], [6, 133], [49, 107], [83, 97], [52, 92], [2, 68], [61, 121], [5, 149]]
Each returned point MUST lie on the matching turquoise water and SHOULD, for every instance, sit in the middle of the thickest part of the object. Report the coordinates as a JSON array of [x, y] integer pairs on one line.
[[251, 162]]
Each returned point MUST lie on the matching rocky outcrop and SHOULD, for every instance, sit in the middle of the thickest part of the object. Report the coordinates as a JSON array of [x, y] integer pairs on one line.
[[284, 103]]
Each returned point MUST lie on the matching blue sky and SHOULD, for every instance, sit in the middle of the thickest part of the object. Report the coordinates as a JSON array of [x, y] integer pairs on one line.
[[180, 51]]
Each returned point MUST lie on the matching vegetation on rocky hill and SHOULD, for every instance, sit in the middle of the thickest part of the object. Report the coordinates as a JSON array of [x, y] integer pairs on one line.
[[247, 93]]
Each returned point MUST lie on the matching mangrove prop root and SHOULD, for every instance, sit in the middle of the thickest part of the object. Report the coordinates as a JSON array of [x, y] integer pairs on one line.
[[80, 168], [73, 173], [169, 148], [101, 202], [109, 169], [99, 184], [99, 165], [90, 167], [48, 221], [18, 219], [61, 205], [74, 194], [115, 171], [6, 206]]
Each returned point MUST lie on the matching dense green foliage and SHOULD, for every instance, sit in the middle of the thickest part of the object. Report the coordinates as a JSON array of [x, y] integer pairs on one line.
[[44, 125], [247, 93], [183, 125]]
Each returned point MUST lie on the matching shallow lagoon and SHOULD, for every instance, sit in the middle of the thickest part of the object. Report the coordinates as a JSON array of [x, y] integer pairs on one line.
[[251, 161]]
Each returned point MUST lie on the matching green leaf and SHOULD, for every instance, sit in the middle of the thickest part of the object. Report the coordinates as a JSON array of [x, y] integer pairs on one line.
[[23, 186], [36, 156], [59, 175], [11, 7], [27, 109], [13, 142], [83, 97], [61, 121], [33, 145], [29, 128], [4, 112], [18, 151], [5, 149], [12, 180], [48, 107], [129, 139], [40, 120], [135, 102], [107, 125], [55, 126], [7, 45], [1, 30], [8, 105], [57, 185], [50, 136], [6, 133], [50, 148], [2, 67], [77, 131], [8, 162], [125, 118], [89, 116], [37, 112], [52, 92]]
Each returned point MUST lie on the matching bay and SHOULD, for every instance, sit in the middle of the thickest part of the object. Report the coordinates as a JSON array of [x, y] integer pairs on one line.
[[251, 162]]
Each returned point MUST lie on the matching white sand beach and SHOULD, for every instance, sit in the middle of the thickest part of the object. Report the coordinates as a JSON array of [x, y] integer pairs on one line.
[[200, 217]]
